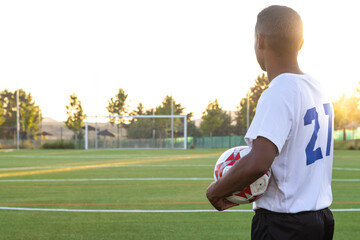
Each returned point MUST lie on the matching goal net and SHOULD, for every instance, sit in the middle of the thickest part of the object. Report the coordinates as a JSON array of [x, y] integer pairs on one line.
[[136, 132]]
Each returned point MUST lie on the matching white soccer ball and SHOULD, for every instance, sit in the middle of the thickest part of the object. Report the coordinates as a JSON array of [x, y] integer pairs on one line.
[[252, 192]]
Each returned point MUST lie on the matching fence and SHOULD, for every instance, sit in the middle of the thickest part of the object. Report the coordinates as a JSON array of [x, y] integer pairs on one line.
[[102, 143], [59, 133], [216, 142], [349, 135]]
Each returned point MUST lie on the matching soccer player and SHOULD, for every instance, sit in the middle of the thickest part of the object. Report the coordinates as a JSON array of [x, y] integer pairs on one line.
[[292, 132]]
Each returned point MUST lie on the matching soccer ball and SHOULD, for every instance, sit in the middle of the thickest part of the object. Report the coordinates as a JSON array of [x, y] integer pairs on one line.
[[250, 193]]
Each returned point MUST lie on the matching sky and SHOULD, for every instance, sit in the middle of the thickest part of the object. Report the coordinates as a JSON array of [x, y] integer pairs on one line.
[[195, 50]]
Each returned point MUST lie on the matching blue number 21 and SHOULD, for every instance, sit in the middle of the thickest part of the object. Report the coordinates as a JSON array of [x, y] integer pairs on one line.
[[310, 116]]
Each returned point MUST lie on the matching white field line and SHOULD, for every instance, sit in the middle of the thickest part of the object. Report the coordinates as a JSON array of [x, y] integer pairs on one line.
[[117, 211], [145, 165], [346, 180], [347, 169], [346, 210], [106, 179], [144, 211], [132, 179]]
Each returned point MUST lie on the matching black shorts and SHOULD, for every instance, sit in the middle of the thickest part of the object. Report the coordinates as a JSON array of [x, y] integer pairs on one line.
[[317, 225]]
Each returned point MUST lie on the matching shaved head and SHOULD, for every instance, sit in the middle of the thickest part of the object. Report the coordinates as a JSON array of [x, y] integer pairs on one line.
[[282, 27]]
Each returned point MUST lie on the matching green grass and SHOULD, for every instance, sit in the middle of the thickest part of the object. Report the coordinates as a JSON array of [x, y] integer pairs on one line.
[[136, 195]]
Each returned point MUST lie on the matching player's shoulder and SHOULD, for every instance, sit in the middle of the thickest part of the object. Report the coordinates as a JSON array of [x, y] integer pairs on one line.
[[289, 80], [284, 86], [290, 85]]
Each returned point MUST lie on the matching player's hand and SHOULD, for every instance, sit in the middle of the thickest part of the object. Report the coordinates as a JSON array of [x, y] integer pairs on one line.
[[220, 204]]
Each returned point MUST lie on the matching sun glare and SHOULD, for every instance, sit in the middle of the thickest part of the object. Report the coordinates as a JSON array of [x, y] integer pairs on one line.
[[331, 48], [152, 50]]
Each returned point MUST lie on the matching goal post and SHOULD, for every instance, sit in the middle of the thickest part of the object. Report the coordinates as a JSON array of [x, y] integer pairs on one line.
[[136, 132]]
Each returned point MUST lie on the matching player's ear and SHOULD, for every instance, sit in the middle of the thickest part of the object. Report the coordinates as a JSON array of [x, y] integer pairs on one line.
[[260, 41], [301, 44]]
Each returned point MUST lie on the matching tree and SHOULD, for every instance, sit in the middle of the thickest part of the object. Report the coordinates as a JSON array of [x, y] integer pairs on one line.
[[76, 116], [163, 126], [8, 101], [141, 128], [192, 130], [2, 119], [226, 128], [346, 110], [29, 114], [156, 127], [212, 118], [140, 110], [118, 106], [165, 107], [261, 84]]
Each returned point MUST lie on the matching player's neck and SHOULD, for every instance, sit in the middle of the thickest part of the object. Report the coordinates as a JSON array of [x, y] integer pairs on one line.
[[279, 65]]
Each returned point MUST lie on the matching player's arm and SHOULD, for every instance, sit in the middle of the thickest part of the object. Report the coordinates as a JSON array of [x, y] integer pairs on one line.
[[244, 172]]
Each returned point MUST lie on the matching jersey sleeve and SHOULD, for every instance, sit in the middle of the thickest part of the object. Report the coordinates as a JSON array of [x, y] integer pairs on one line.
[[273, 118]]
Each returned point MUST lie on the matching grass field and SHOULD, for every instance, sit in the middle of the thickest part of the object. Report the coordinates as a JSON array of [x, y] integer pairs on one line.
[[96, 194]]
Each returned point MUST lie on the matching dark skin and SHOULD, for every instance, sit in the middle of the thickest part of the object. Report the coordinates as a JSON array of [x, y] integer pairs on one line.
[[251, 167], [263, 152], [275, 63]]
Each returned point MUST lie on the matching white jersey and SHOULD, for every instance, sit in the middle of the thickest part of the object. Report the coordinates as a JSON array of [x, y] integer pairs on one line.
[[295, 115]]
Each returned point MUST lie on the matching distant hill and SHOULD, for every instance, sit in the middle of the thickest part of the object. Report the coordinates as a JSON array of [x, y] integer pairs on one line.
[[56, 128], [60, 131], [50, 121]]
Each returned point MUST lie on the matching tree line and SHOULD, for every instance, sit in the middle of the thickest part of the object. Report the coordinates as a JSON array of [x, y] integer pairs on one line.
[[215, 120]]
